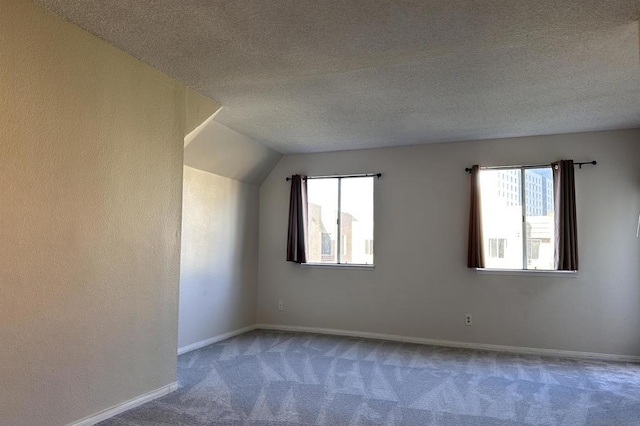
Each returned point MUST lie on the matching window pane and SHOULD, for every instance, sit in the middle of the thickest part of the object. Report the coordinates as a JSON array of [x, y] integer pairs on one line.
[[357, 220], [540, 221], [323, 220], [502, 218]]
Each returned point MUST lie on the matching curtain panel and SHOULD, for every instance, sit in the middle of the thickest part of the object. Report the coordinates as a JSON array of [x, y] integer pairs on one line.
[[475, 249], [297, 235], [566, 228]]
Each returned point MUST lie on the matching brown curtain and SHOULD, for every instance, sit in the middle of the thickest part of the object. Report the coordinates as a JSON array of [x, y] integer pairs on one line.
[[564, 198], [475, 252], [297, 238]]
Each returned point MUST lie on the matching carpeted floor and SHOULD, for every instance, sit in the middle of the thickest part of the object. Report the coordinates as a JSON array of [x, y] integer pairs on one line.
[[274, 378]]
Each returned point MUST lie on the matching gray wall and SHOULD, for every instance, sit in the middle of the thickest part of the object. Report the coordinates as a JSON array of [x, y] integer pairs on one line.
[[219, 262], [219, 258], [420, 286]]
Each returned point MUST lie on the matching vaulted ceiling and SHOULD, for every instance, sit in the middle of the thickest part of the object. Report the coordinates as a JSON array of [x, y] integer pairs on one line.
[[320, 75]]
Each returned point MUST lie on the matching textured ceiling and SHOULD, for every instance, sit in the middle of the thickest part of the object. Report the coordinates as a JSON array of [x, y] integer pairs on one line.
[[320, 75]]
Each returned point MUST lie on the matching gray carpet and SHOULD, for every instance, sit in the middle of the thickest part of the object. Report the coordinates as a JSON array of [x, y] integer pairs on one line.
[[273, 378]]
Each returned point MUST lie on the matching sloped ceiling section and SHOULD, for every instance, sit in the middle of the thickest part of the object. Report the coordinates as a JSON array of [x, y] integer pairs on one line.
[[215, 148], [198, 109], [321, 75]]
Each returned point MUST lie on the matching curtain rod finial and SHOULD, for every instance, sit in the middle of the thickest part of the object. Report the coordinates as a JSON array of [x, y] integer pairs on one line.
[[467, 169]]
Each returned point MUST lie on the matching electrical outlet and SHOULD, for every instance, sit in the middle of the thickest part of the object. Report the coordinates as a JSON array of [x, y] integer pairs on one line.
[[468, 321], [280, 305]]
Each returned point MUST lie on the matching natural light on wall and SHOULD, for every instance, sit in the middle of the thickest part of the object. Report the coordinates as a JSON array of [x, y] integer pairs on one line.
[[518, 202], [340, 222]]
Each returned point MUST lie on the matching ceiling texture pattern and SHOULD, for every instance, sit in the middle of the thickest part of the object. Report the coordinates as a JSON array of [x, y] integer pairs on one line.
[[324, 75]]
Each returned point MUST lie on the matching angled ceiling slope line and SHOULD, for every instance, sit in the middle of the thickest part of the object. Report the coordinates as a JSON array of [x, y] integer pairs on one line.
[[198, 109], [215, 148], [191, 136]]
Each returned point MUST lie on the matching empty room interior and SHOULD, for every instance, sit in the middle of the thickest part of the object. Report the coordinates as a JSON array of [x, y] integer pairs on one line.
[[367, 212]]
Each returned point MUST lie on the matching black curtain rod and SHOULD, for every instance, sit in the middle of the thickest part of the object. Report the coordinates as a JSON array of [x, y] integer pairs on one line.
[[579, 164], [378, 175]]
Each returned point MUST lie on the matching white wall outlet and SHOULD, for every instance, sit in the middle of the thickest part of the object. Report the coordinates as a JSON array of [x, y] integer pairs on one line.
[[280, 305], [468, 321]]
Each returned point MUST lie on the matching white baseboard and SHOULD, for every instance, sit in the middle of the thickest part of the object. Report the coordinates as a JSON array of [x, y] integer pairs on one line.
[[127, 405], [218, 338], [455, 344], [165, 390]]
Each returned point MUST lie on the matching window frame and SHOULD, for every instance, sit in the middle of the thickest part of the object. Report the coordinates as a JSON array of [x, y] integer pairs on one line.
[[338, 264], [523, 197]]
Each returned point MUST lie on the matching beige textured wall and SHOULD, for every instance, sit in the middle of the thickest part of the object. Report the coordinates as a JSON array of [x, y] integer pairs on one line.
[[91, 146], [219, 258], [420, 286]]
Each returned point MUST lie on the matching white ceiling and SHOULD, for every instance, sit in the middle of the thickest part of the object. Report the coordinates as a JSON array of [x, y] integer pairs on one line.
[[321, 75]]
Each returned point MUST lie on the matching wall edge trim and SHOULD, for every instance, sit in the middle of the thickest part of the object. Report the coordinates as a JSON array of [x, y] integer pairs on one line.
[[215, 339], [455, 344], [125, 406]]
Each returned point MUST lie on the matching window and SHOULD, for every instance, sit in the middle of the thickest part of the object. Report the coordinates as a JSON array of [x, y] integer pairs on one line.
[[340, 225], [368, 247], [343, 248], [326, 244], [496, 247], [533, 249], [518, 224]]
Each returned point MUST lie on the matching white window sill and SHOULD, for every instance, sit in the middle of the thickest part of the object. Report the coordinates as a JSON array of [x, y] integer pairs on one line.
[[528, 272], [337, 265]]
